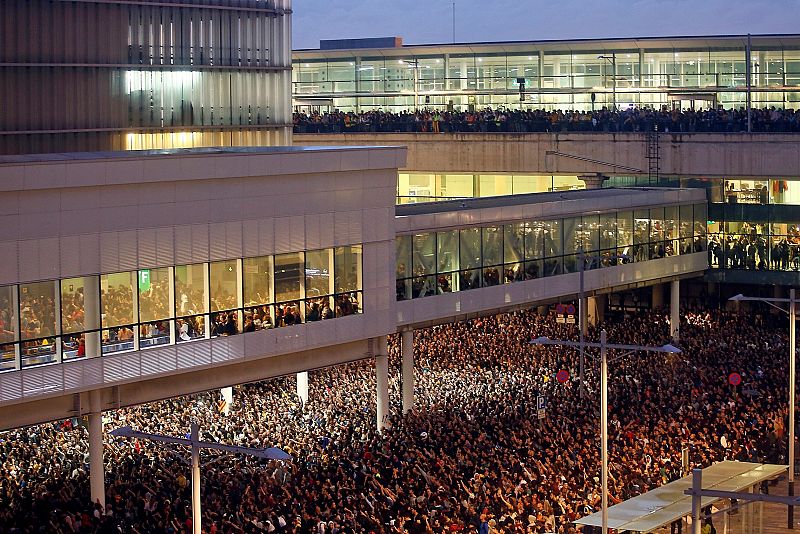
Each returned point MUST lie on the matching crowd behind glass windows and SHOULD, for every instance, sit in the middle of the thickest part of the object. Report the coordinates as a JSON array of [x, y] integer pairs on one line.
[[434, 263], [165, 305], [754, 245]]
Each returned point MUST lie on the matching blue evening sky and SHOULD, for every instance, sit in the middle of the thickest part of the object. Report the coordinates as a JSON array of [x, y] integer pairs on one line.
[[430, 21]]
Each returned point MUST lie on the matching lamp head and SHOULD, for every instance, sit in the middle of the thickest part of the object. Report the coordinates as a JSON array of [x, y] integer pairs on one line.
[[737, 298], [541, 340], [121, 432], [670, 348]]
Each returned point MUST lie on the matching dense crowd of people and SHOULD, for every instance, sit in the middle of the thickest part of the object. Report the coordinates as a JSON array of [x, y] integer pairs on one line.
[[540, 120], [472, 457]]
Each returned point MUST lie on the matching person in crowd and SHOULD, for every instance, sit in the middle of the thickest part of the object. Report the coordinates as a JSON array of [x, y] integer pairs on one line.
[[471, 457], [502, 119]]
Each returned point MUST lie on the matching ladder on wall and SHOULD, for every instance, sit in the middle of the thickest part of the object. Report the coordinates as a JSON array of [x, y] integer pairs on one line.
[[653, 156]]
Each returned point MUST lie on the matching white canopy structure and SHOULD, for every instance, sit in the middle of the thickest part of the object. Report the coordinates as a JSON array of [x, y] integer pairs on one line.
[[661, 506]]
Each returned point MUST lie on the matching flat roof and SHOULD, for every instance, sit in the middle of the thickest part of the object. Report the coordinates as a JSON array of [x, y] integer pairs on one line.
[[209, 151], [668, 503], [575, 45], [424, 208]]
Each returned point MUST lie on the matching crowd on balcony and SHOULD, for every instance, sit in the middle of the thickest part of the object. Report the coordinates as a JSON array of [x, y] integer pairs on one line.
[[537, 120], [472, 457]]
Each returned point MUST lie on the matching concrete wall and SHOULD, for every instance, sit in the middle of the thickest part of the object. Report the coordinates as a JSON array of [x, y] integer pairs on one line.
[[774, 155]]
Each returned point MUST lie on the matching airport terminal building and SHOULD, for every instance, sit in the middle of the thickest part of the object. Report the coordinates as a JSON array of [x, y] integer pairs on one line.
[[130, 275], [586, 74]]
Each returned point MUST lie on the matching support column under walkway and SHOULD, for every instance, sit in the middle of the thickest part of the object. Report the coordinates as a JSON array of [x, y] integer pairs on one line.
[[407, 346], [382, 382]]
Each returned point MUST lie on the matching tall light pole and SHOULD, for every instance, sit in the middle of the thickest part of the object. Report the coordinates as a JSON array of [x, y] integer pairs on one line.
[[195, 445], [604, 346], [454, 21], [792, 361], [582, 309], [613, 60]]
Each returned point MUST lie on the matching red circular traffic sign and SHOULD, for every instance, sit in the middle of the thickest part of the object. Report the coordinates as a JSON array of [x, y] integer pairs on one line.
[[560, 309], [570, 309], [735, 379], [562, 376]]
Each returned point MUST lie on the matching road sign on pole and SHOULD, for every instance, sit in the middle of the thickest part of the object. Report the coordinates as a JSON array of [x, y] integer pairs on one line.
[[541, 405]]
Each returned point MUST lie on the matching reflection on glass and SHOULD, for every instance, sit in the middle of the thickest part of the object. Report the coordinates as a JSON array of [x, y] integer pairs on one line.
[[447, 251], [39, 351], [154, 294], [73, 311], [493, 246], [470, 253], [225, 285], [257, 280], [424, 247], [224, 323], [319, 272], [514, 242], [289, 276], [7, 357], [403, 256], [190, 328], [8, 314], [288, 313], [191, 297], [348, 264], [117, 293], [37, 303], [348, 304]]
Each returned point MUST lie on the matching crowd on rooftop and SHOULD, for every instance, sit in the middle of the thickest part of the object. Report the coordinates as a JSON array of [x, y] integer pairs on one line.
[[509, 120], [472, 456]]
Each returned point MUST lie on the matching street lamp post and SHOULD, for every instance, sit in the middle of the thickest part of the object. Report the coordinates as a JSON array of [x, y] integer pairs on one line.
[[792, 362], [195, 445], [582, 308], [604, 346]]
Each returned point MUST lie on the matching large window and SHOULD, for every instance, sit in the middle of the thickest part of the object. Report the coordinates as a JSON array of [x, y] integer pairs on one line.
[[57, 320], [471, 258]]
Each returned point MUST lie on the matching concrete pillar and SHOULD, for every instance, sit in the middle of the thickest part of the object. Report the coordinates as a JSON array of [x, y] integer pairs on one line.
[[657, 302], [302, 386], [382, 376], [407, 346], [91, 312], [593, 181], [596, 309], [675, 310], [96, 468]]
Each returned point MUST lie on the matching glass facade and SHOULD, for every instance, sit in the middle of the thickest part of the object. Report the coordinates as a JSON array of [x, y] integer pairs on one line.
[[434, 263], [679, 72], [754, 245], [418, 187], [47, 322]]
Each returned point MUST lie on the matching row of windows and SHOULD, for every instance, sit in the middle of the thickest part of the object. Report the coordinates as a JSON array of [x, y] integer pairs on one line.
[[433, 263], [45, 322], [754, 245]]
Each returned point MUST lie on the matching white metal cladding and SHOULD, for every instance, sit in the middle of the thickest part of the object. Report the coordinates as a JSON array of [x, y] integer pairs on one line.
[[100, 67]]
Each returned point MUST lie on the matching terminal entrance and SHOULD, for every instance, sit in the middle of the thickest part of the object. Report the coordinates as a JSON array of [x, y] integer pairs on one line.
[[693, 101]]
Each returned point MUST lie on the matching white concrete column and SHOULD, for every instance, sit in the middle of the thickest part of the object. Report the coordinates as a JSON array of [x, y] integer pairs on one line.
[[596, 309], [302, 386], [407, 346], [675, 310], [96, 467], [382, 376], [91, 312], [657, 302]]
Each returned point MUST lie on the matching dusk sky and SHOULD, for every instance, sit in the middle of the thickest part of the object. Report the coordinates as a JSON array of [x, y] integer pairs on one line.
[[430, 21]]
